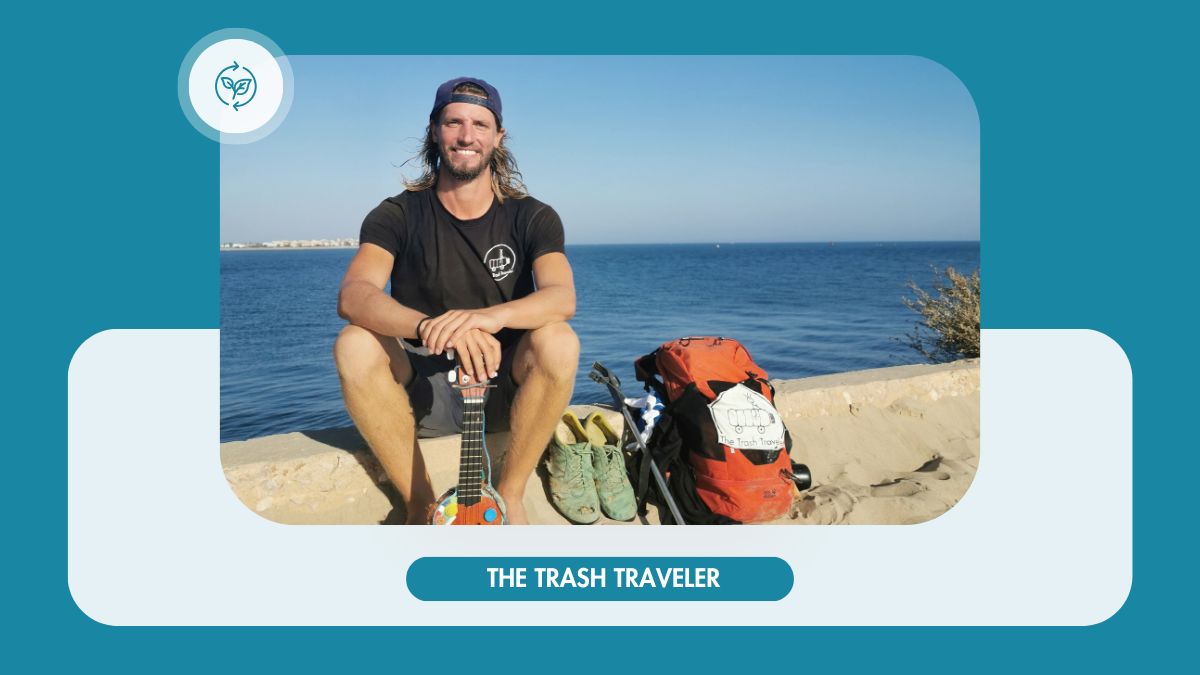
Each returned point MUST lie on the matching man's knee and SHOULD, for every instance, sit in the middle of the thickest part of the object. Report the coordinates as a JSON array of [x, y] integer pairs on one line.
[[555, 348], [357, 353]]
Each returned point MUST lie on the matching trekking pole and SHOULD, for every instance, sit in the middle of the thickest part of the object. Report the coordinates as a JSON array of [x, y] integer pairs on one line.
[[601, 375]]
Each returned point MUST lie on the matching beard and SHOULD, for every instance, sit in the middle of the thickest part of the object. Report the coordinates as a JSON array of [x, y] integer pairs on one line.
[[466, 173]]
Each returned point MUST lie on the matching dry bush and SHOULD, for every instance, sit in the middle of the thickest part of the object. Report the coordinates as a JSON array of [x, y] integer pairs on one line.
[[950, 329]]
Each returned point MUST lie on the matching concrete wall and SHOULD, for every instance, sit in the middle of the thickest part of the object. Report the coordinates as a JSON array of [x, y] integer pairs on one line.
[[331, 476], [842, 393]]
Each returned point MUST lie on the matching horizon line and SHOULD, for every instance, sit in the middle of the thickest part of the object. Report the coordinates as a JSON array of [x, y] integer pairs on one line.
[[818, 241], [703, 243]]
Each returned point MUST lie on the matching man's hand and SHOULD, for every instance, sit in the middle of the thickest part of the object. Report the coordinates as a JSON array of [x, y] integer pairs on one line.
[[479, 355], [447, 331]]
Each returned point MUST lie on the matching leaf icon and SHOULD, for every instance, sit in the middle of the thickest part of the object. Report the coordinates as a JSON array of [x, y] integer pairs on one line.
[[228, 82], [241, 87]]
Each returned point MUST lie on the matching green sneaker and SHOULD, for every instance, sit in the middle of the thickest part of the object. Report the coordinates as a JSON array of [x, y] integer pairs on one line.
[[608, 465], [572, 485]]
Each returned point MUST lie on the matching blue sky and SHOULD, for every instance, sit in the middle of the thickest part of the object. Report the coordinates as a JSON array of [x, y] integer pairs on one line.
[[637, 149]]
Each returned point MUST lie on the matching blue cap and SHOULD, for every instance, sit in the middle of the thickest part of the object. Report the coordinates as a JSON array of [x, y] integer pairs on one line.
[[446, 96]]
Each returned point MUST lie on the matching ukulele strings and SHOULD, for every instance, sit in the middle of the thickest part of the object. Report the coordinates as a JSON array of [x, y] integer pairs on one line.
[[473, 451]]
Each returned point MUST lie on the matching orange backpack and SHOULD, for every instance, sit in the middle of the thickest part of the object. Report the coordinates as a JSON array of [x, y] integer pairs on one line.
[[719, 438]]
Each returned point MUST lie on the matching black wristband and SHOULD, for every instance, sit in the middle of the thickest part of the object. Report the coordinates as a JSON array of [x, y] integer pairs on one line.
[[419, 327]]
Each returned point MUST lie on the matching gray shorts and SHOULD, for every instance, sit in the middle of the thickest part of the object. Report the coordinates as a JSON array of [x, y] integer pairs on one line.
[[437, 405]]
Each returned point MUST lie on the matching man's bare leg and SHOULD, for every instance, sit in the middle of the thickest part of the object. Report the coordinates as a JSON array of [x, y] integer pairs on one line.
[[544, 366], [374, 371]]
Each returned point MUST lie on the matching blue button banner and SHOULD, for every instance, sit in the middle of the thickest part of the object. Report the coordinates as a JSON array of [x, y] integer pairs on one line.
[[600, 579]]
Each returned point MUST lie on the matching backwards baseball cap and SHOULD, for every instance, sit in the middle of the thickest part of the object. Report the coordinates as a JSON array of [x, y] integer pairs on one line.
[[446, 96]]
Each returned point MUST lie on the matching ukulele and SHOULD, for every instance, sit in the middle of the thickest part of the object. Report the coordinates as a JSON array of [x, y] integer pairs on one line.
[[473, 501]]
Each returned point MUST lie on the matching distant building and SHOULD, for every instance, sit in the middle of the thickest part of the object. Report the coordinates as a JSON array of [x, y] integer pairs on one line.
[[297, 243]]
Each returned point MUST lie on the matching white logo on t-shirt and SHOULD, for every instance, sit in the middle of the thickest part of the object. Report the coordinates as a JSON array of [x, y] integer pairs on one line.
[[500, 261]]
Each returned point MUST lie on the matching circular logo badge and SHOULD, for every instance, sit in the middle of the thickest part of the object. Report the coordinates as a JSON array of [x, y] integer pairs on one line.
[[500, 261], [235, 86]]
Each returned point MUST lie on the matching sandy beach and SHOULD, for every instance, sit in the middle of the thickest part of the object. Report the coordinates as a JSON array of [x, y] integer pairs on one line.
[[891, 446]]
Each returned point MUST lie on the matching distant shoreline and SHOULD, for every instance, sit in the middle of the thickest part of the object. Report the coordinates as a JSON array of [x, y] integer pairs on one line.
[[286, 248]]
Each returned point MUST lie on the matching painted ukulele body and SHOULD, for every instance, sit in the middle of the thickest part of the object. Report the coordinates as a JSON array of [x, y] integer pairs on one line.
[[489, 510], [473, 501]]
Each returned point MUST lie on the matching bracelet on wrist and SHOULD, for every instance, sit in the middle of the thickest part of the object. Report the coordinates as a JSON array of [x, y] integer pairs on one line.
[[419, 323]]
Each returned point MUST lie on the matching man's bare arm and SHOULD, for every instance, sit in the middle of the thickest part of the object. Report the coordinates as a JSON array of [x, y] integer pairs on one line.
[[554, 300], [362, 302], [361, 299]]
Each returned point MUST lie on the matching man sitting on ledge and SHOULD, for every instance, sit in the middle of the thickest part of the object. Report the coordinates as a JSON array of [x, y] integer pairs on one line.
[[476, 266]]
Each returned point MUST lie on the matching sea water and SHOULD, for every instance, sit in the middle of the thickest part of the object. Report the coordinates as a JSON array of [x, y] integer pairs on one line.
[[800, 310]]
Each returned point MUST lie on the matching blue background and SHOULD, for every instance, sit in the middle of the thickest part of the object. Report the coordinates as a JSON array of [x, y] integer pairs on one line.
[[1087, 146]]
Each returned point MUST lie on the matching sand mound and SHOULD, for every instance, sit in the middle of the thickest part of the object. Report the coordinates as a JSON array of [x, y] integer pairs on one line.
[[887, 466]]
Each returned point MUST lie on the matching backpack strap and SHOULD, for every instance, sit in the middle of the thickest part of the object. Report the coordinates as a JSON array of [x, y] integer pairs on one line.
[[664, 445], [669, 451], [645, 370]]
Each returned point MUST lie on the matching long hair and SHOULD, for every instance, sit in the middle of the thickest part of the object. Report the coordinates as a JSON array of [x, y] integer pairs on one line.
[[506, 179]]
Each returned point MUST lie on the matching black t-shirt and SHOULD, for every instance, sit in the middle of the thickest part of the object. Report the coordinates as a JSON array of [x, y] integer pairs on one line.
[[443, 263]]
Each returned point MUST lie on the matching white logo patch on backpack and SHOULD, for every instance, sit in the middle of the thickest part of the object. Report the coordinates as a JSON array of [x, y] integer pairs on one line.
[[745, 419]]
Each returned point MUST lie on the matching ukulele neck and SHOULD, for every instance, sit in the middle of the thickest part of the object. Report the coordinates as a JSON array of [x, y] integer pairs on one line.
[[471, 462]]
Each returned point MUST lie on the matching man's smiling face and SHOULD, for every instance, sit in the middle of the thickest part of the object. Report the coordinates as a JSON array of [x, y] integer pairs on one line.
[[467, 137]]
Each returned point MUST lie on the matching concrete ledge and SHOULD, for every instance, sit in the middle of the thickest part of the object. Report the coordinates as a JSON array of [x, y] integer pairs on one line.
[[844, 393], [892, 445], [331, 477], [312, 477]]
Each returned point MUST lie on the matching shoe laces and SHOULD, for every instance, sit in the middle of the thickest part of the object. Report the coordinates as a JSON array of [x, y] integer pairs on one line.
[[614, 472], [575, 469]]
